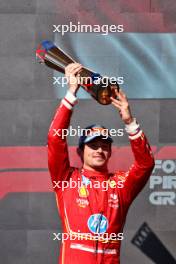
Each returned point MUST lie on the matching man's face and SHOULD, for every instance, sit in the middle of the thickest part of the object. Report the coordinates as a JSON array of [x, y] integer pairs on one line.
[[97, 153]]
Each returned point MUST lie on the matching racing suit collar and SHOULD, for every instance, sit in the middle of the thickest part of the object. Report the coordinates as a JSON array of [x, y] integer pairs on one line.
[[95, 174]]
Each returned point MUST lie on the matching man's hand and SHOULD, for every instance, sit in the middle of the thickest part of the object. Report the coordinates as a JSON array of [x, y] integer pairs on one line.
[[123, 107], [72, 73]]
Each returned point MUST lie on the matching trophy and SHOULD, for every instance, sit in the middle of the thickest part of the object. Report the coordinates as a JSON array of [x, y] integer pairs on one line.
[[100, 88]]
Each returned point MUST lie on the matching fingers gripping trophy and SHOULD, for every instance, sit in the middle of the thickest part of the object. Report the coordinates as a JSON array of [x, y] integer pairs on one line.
[[100, 88]]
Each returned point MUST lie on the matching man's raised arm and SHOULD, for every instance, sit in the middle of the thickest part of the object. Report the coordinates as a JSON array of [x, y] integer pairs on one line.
[[139, 172], [58, 160], [141, 169]]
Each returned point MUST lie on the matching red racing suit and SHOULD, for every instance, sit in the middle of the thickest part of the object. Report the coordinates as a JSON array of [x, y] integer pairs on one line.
[[93, 218]]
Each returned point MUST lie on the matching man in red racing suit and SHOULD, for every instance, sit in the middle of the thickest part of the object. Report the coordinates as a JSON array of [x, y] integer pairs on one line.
[[92, 217]]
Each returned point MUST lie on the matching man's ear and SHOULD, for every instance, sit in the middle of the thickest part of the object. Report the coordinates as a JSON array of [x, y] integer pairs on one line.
[[80, 153], [110, 152]]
